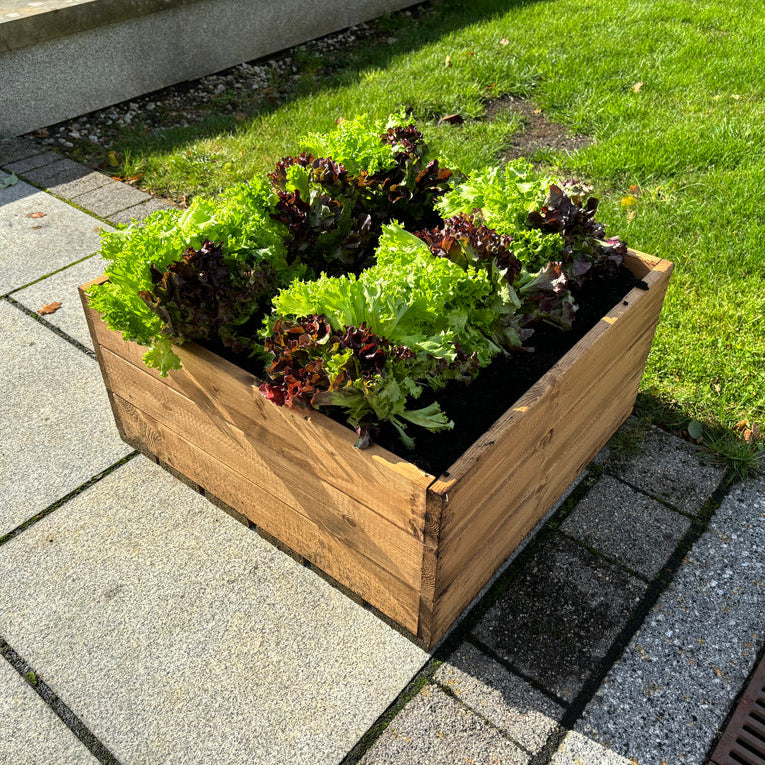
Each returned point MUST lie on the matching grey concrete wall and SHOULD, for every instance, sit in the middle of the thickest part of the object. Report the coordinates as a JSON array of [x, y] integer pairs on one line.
[[56, 79]]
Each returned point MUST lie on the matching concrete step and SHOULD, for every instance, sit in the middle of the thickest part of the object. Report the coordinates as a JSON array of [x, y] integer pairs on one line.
[[63, 58]]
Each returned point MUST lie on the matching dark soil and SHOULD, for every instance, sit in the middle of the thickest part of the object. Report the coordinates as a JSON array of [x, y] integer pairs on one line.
[[538, 132], [475, 407]]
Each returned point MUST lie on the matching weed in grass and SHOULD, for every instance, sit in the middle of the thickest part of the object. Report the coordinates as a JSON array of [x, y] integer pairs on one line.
[[742, 459]]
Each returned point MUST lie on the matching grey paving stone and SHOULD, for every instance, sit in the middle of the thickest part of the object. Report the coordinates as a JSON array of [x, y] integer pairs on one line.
[[576, 749], [32, 161], [556, 621], [15, 149], [177, 635], [627, 526], [504, 699], [74, 188], [683, 669], [111, 198], [669, 468], [30, 732], [57, 429], [34, 247], [140, 211], [63, 170], [434, 729], [61, 287]]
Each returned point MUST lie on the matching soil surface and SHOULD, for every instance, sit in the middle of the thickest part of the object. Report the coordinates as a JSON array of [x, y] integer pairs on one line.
[[538, 132], [475, 407]]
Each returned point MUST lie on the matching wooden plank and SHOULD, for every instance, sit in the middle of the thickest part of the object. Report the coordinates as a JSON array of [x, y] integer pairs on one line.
[[295, 483], [509, 479], [391, 486], [364, 576], [479, 559]]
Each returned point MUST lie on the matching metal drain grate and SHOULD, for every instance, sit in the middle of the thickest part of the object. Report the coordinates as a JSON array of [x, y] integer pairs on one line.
[[743, 741]]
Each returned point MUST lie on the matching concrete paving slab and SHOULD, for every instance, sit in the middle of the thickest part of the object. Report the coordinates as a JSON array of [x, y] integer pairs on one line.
[[177, 635], [670, 469], [57, 429], [683, 669], [576, 749], [62, 170], [61, 287], [627, 526], [31, 162], [36, 246], [15, 149], [30, 732], [504, 699], [556, 621], [110, 199], [437, 730], [72, 189], [141, 211]]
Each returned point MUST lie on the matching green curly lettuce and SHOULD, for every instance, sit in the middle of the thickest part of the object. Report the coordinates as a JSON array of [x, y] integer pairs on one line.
[[240, 220]]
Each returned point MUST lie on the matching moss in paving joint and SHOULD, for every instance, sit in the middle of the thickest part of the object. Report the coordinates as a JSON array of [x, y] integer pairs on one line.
[[452, 695], [52, 327], [66, 498], [61, 710]]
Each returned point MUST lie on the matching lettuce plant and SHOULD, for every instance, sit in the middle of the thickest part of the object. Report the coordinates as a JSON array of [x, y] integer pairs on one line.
[[361, 272]]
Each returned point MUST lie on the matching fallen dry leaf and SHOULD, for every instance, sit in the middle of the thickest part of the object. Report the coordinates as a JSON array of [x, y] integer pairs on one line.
[[339, 120], [537, 111], [239, 115], [452, 119], [50, 308], [635, 190], [36, 215], [636, 87], [448, 61]]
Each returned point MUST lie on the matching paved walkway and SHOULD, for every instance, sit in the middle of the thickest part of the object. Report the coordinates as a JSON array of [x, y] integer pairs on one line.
[[141, 624]]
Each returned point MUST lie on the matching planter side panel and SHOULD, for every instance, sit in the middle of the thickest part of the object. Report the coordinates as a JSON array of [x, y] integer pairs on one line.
[[359, 517], [500, 489]]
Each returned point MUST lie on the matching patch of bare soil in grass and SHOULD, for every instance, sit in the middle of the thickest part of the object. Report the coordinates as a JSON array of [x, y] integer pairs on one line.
[[538, 133]]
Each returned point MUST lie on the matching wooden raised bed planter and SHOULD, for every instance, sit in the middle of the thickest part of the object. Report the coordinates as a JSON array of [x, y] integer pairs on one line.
[[417, 547]]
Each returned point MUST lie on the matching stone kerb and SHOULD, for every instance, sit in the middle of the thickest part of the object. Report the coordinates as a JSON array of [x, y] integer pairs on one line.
[[78, 57]]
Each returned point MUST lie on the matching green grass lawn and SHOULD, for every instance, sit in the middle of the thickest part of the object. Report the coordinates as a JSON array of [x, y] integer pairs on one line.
[[672, 93]]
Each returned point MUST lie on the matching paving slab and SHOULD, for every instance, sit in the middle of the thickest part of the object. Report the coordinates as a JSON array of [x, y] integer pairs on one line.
[[30, 732], [681, 672], [58, 429], [31, 162], [626, 525], [576, 749], [37, 246], [139, 212], [504, 699], [75, 187], [437, 730], [60, 171], [61, 287], [15, 149], [177, 635], [561, 614], [670, 469], [111, 199]]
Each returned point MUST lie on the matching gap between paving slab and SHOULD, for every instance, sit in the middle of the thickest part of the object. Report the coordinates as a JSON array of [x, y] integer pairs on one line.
[[210, 645]]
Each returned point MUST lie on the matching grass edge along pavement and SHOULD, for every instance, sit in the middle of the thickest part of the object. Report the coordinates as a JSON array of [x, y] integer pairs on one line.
[[675, 159]]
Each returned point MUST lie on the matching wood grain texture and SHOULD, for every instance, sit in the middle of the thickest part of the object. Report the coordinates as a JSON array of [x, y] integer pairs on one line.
[[506, 482], [321, 547], [417, 548], [296, 482]]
